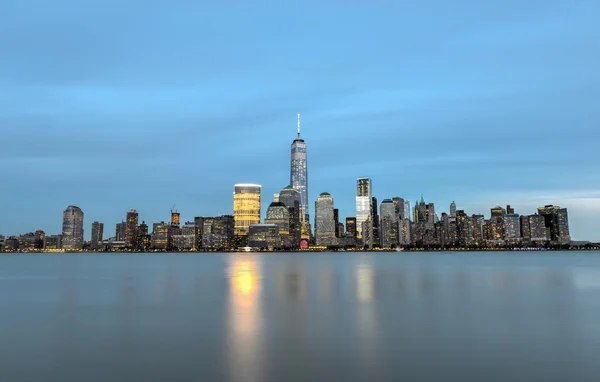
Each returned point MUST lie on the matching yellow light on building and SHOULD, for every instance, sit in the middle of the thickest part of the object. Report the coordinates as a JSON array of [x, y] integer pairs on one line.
[[246, 207]]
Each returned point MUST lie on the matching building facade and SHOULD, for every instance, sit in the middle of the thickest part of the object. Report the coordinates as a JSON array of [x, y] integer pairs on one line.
[[97, 235], [325, 226], [363, 204], [299, 174], [72, 231], [131, 226], [246, 207]]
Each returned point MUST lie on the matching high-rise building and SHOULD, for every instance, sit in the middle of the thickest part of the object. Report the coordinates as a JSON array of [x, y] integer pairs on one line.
[[556, 221], [143, 239], [351, 226], [97, 233], [72, 231], [512, 226], [537, 228], [376, 240], [131, 226], [299, 173], [120, 231], [453, 209], [389, 224], [246, 207], [160, 236], [291, 199], [217, 232], [336, 219], [278, 214], [324, 221], [509, 210], [363, 204], [398, 207], [175, 219], [407, 209]]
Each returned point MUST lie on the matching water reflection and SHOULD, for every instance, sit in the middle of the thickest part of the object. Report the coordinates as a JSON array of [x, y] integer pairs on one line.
[[365, 281], [244, 333]]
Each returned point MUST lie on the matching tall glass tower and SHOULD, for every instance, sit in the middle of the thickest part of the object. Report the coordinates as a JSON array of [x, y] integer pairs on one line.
[[72, 228], [299, 174]]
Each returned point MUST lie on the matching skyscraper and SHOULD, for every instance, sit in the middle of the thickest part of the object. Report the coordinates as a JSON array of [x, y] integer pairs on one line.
[[557, 223], [279, 214], [291, 199], [324, 221], [453, 209], [246, 207], [120, 230], [131, 226], [389, 224], [363, 204], [97, 233], [299, 173], [351, 226], [72, 231]]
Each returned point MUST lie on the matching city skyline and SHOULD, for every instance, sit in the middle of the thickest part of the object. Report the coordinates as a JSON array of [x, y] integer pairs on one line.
[[493, 105]]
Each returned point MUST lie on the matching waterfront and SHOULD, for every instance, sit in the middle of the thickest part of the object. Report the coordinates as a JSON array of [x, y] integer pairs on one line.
[[465, 316]]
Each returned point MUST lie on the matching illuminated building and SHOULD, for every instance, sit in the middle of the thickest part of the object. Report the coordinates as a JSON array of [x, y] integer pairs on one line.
[[290, 197], [217, 232], [120, 231], [264, 236], [53, 242], [336, 219], [389, 224], [376, 240], [453, 209], [557, 223], [131, 226], [512, 226], [407, 210], [72, 231], [278, 214], [537, 228], [299, 176], [497, 226], [324, 220], [97, 233], [351, 226], [363, 204], [175, 219], [160, 236], [143, 240], [246, 207]]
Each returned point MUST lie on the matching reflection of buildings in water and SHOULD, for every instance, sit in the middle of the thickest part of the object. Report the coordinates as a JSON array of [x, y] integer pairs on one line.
[[366, 315], [327, 285], [245, 320], [365, 282]]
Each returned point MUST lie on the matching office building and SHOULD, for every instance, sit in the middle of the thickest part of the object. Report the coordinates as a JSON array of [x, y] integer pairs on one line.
[[324, 221], [160, 236], [453, 209], [120, 231], [556, 221], [512, 226], [363, 204], [351, 226], [265, 236], [278, 214], [131, 226], [72, 231], [389, 224], [246, 207], [53, 242], [299, 175], [97, 233]]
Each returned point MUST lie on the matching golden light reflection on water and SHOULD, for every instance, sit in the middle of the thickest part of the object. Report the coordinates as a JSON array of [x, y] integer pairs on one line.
[[365, 282], [245, 319]]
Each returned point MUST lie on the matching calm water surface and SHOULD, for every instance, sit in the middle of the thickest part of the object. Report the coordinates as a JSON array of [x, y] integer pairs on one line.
[[301, 317]]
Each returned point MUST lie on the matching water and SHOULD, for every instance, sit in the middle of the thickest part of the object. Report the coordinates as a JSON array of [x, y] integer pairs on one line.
[[486, 316]]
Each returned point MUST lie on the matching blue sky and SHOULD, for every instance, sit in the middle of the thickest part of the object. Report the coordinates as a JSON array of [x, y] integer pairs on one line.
[[112, 105]]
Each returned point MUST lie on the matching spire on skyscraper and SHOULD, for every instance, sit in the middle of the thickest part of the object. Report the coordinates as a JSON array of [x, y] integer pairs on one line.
[[298, 125]]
